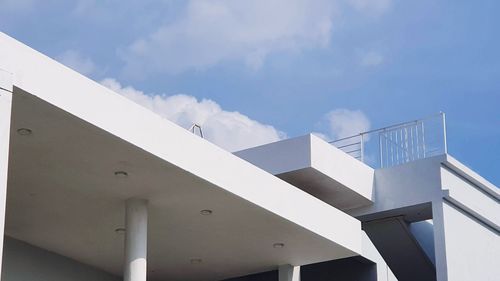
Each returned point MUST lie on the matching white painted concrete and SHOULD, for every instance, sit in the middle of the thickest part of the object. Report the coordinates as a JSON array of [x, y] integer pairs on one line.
[[440, 254], [477, 180], [289, 273], [472, 250], [423, 232], [342, 167], [281, 156], [5, 120], [318, 168], [464, 207], [471, 196], [24, 262], [136, 240], [179, 173], [405, 185], [5, 80], [466, 225], [90, 101], [384, 273]]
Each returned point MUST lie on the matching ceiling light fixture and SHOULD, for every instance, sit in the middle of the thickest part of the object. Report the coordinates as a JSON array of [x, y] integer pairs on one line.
[[24, 131], [195, 260], [121, 174], [278, 245], [206, 212], [120, 230]]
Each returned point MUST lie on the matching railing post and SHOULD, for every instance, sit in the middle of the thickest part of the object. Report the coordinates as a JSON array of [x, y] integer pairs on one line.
[[362, 148], [443, 116], [423, 139], [380, 149], [401, 143]]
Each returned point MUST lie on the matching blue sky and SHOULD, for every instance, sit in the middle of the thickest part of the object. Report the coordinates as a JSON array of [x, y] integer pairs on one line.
[[285, 65]]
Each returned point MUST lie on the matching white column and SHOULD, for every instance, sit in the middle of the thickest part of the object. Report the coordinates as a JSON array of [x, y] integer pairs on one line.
[[6, 89], [136, 240], [439, 240], [289, 273]]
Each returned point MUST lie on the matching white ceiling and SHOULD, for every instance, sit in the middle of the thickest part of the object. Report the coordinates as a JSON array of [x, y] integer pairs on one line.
[[63, 196]]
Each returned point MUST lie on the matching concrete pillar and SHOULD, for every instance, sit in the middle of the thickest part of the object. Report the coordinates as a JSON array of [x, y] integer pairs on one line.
[[6, 90], [289, 273], [136, 240], [439, 240]]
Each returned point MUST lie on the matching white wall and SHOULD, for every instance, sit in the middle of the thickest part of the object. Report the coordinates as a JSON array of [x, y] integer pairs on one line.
[[471, 196], [405, 185], [468, 225], [5, 117], [23, 262], [472, 250], [423, 231], [384, 273]]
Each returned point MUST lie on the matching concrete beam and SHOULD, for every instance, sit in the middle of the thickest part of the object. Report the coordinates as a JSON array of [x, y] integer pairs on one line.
[[5, 118], [136, 236], [289, 273]]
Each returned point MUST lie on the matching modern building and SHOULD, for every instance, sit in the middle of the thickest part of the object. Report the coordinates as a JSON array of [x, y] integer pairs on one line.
[[96, 187]]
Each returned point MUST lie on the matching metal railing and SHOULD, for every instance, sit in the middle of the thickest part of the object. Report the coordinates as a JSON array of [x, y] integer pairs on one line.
[[195, 127], [398, 144]]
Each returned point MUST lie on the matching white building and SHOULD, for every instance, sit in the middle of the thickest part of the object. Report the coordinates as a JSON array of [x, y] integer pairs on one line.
[[89, 193]]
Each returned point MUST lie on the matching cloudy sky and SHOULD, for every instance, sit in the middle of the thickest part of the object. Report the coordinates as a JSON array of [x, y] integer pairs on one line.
[[252, 72]]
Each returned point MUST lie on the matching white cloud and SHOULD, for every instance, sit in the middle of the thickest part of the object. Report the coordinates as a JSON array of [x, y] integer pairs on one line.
[[73, 59], [342, 123], [230, 130], [210, 32], [370, 58]]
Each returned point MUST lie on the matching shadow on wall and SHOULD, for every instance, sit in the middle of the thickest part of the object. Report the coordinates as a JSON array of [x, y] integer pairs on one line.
[[348, 269], [24, 262], [263, 276]]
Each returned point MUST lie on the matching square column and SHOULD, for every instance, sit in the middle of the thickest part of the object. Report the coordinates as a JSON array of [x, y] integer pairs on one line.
[[6, 89], [289, 273], [136, 240]]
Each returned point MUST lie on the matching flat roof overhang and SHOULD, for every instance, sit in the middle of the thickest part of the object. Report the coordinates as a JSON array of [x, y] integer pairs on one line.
[[318, 168], [63, 195]]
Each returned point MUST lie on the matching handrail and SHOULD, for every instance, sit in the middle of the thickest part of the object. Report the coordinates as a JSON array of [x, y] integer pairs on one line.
[[402, 124], [194, 127], [399, 143]]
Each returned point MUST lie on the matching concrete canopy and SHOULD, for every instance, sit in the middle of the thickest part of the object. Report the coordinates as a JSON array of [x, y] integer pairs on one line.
[[318, 168], [63, 194]]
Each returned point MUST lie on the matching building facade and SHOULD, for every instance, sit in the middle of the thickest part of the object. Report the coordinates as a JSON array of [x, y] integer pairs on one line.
[[96, 187]]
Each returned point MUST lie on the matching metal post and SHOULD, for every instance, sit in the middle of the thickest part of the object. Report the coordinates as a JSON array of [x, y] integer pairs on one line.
[[444, 133], [412, 143], [136, 244], [418, 140], [362, 148], [380, 149], [423, 138]]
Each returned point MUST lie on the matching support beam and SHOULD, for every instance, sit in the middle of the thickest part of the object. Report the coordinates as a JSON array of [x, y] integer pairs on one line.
[[136, 236], [6, 89], [289, 273]]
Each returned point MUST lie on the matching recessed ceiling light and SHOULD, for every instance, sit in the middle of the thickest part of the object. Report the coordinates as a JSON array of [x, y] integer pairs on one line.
[[120, 230], [24, 131], [206, 212], [121, 174], [195, 260], [278, 245]]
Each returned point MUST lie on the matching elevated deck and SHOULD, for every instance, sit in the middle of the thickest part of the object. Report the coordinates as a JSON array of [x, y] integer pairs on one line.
[[318, 168]]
